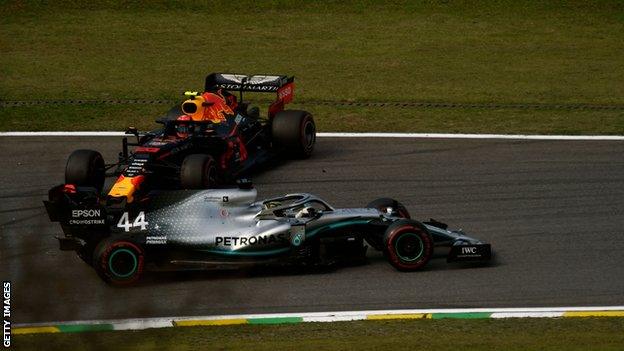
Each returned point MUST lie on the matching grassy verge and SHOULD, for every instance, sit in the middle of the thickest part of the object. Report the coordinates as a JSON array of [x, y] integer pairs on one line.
[[339, 119], [503, 52], [512, 334]]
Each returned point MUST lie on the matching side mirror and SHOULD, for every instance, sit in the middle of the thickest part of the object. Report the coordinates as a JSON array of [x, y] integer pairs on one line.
[[244, 183], [133, 131]]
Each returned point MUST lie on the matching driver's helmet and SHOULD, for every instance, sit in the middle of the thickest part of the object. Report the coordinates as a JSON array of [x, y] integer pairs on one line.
[[183, 127], [209, 106]]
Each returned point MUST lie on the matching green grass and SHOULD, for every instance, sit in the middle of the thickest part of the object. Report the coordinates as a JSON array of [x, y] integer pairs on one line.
[[512, 334], [338, 119], [497, 51]]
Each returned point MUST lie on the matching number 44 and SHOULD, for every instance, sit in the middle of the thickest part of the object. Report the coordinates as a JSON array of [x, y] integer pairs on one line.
[[139, 221]]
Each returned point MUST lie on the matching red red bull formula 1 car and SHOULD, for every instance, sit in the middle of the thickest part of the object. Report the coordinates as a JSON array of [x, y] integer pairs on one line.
[[212, 138]]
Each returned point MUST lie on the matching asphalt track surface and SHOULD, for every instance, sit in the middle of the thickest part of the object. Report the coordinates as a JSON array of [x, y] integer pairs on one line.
[[553, 211]]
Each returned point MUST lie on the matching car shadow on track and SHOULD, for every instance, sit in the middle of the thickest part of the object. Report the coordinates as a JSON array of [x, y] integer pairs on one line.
[[373, 261], [169, 277]]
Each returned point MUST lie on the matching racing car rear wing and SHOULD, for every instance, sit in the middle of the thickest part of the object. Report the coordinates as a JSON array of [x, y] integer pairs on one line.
[[242, 82], [284, 86]]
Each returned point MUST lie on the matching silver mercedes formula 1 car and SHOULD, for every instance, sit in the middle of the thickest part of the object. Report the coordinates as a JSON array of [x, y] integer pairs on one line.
[[225, 228]]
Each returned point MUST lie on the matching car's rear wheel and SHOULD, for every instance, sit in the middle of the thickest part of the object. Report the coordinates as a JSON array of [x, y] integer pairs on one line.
[[408, 245], [85, 168], [385, 205], [294, 133], [119, 261], [198, 171]]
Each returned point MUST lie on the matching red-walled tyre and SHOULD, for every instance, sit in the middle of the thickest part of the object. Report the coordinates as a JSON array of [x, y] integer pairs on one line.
[[408, 245], [119, 262]]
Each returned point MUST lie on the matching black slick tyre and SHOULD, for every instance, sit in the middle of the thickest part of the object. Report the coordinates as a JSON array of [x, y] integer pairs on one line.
[[198, 171], [294, 133], [85, 168], [408, 246]]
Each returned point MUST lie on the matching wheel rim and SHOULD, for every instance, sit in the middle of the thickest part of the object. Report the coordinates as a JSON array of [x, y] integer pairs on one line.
[[409, 247], [123, 263]]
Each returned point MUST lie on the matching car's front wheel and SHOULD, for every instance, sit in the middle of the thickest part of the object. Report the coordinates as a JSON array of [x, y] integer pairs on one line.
[[408, 245]]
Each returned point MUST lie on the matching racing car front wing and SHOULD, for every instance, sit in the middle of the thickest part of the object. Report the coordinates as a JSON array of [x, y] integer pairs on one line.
[[470, 253]]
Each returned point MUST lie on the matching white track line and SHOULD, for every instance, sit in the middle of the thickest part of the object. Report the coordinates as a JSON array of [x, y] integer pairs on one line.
[[527, 314], [367, 135], [340, 315], [471, 136], [29, 134]]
